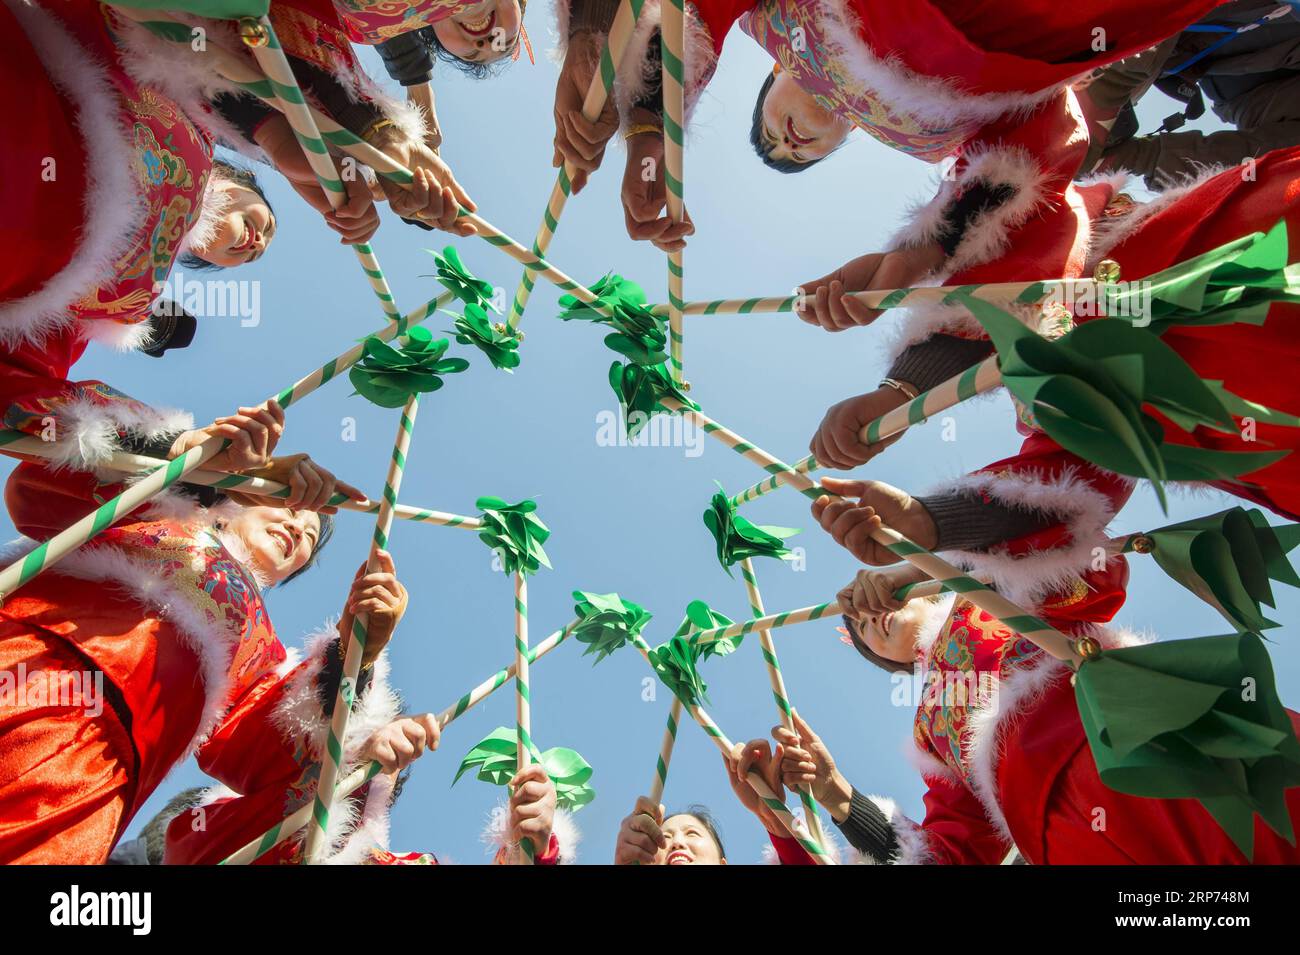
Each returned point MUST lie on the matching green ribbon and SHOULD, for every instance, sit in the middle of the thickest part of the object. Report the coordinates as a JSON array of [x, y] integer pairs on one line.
[[388, 376], [641, 389], [1227, 559], [496, 340], [1237, 282], [700, 616], [676, 664], [738, 539], [496, 758], [639, 335], [1088, 390], [607, 622], [215, 9], [515, 532], [460, 281], [1194, 719]]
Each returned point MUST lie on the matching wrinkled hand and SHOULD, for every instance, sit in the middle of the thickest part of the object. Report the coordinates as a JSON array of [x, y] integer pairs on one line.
[[310, 485], [640, 836], [382, 596], [433, 196], [837, 445], [805, 761], [851, 522], [645, 197], [757, 756], [578, 141], [532, 807], [826, 302], [253, 434], [402, 742]]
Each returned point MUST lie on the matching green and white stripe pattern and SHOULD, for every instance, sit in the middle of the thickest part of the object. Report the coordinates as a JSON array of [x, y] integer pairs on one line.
[[666, 752], [620, 32], [800, 482], [925, 588], [358, 778], [785, 711], [975, 380], [765, 793], [379, 284], [674, 96], [523, 716], [768, 622], [356, 647]]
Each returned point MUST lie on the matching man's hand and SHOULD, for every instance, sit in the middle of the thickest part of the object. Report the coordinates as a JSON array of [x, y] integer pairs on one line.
[[826, 302], [851, 522], [402, 742], [805, 761], [836, 444], [639, 835], [578, 141], [253, 434], [382, 596], [645, 196]]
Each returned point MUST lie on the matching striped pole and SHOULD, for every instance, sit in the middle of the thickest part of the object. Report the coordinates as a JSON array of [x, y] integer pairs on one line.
[[976, 380], [523, 718], [755, 780], [783, 707], [355, 648], [1004, 293], [927, 588], [801, 482], [375, 275], [672, 33], [620, 32], [355, 780], [670, 736]]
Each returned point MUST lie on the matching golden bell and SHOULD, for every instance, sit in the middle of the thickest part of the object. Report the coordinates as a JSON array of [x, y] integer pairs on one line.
[[1143, 544], [1108, 271], [519, 336], [1087, 647], [686, 386], [253, 32]]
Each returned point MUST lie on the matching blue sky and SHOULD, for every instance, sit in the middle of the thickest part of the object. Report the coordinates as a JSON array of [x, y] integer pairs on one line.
[[624, 519]]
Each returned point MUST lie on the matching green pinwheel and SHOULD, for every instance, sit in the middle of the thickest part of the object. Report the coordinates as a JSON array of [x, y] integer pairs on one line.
[[607, 622], [460, 281], [1236, 282], [638, 334], [496, 340], [496, 758], [215, 9], [1089, 391], [515, 532], [1226, 559], [388, 376], [1197, 719], [700, 616], [676, 663], [738, 539], [640, 390]]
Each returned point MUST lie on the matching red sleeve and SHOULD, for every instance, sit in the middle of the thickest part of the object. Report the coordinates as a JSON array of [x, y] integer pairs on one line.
[[788, 850], [956, 830]]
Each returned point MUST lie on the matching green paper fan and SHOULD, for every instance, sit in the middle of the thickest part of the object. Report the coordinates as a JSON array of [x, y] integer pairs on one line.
[[387, 376], [495, 759], [607, 622], [739, 539], [515, 532], [498, 341], [640, 390], [460, 281]]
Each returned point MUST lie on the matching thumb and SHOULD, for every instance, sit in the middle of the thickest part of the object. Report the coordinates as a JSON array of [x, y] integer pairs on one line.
[[844, 488], [805, 731]]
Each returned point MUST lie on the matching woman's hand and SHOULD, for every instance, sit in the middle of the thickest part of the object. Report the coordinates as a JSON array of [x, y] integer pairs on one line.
[[310, 485], [578, 141], [644, 193], [253, 434], [871, 593], [381, 595], [805, 761], [402, 742], [837, 443], [757, 756], [532, 807], [851, 523], [433, 196], [826, 303], [640, 836]]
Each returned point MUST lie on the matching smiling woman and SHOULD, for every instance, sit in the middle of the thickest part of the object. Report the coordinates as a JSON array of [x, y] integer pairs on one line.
[[237, 223]]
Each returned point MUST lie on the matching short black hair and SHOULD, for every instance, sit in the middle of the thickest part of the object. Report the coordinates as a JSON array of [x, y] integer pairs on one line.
[[764, 149], [707, 820], [240, 176], [326, 532], [871, 656], [472, 69]]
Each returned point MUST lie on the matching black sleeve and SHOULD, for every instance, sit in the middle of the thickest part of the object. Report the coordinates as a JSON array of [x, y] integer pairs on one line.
[[407, 58], [594, 16], [967, 522], [331, 675], [937, 359], [653, 97], [867, 829], [975, 201]]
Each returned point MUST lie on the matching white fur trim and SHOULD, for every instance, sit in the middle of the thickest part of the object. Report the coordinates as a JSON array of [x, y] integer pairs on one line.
[[936, 615], [1109, 233], [636, 72], [922, 322], [114, 205], [912, 847], [120, 336], [936, 100], [495, 835], [927, 764], [988, 234], [87, 432], [215, 203], [1070, 499], [354, 830]]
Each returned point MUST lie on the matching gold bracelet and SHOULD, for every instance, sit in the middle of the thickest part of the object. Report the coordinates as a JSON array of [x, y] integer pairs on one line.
[[381, 123], [640, 128], [906, 389]]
